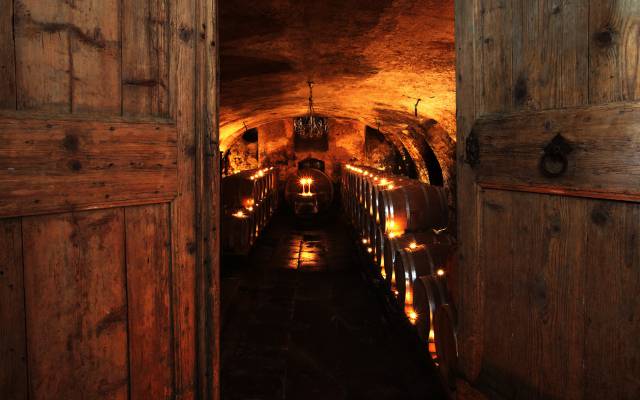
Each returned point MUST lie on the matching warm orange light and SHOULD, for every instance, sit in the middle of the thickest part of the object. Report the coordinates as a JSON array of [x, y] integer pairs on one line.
[[365, 241], [369, 250], [412, 315], [240, 214], [391, 224], [393, 234], [413, 245], [440, 272], [383, 181], [390, 186]]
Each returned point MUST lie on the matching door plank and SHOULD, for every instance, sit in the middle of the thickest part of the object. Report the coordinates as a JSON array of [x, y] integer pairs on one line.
[[550, 54], [77, 336], [7, 57], [95, 57], [183, 208], [148, 292], [13, 357], [534, 268], [43, 49], [470, 297], [495, 69], [614, 51], [145, 58], [611, 301], [604, 163], [53, 165]]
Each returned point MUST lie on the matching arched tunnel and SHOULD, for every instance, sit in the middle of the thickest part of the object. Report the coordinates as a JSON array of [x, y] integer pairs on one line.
[[305, 315]]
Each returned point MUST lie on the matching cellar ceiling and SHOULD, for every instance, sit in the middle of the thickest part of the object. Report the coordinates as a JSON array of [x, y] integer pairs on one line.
[[371, 60]]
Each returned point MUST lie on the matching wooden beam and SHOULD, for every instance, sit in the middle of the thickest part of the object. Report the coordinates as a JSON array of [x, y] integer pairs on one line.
[[49, 166], [604, 161]]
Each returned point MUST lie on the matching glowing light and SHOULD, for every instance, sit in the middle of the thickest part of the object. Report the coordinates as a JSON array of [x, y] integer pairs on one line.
[[365, 241], [393, 235], [249, 208], [239, 214], [383, 181], [390, 186], [391, 224], [369, 250], [412, 315], [440, 272]]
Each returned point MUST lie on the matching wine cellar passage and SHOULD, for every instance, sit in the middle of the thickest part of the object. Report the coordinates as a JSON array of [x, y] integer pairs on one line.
[[319, 199]]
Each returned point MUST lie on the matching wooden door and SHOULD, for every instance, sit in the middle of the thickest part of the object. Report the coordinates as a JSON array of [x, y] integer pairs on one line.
[[549, 304], [108, 247]]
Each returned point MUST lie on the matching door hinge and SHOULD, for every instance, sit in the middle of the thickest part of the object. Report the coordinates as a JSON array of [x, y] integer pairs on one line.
[[472, 150]]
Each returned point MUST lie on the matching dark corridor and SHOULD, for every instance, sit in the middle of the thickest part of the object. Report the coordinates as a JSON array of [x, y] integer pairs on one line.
[[301, 320]]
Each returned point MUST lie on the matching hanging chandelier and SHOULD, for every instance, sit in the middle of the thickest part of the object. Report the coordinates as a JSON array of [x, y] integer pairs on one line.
[[310, 126]]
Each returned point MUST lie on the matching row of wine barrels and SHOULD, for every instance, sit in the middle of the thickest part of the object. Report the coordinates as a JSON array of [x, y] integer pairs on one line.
[[249, 200], [402, 224]]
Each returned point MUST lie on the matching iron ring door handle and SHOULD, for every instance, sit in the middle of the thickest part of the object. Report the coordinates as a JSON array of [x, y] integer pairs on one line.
[[555, 161]]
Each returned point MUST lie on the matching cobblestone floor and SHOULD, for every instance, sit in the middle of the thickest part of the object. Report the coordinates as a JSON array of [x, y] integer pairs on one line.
[[301, 323]]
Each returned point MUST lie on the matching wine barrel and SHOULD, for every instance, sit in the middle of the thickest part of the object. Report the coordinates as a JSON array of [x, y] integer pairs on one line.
[[411, 263], [446, 345], [429, 292], [388, 183], [390, 245], [413, 208], [238, 233], [310, 198]]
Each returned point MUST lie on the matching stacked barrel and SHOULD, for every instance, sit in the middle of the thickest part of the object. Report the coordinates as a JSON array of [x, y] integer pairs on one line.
[[401, 225], [249, 200]]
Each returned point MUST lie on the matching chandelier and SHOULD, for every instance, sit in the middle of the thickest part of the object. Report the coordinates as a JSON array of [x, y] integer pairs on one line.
[[310, 126]]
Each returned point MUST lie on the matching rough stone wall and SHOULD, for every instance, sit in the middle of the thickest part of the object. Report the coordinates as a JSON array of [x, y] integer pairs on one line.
[[276, 147], [242, 156]]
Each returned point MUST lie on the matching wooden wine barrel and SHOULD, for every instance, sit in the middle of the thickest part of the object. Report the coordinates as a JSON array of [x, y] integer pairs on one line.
[[429, 292], [389, 246], [388, 183], [413, 208], [446, 345], [238, 233], [410, 264]]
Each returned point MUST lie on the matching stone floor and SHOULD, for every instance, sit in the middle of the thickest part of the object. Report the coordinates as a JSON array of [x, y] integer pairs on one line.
[[301, 322]]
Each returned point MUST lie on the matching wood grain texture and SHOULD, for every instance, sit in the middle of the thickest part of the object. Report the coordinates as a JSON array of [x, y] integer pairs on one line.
[[7, 57], [13, 357], [43, 47], [53, 165], [494, 72], [535, 296], [68, 56], [208, 190], [76, 305], [550, 54], [183, 208], [145, 57], [604, 162], [611, 302], [94, 29], [148, 255], [614, 51], [469, 300]]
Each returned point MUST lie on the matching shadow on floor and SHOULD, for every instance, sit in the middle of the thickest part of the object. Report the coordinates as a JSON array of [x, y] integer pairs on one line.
[[301, 323]]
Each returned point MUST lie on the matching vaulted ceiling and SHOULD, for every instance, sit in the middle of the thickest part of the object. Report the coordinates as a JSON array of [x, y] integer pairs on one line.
[[370, 60]]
